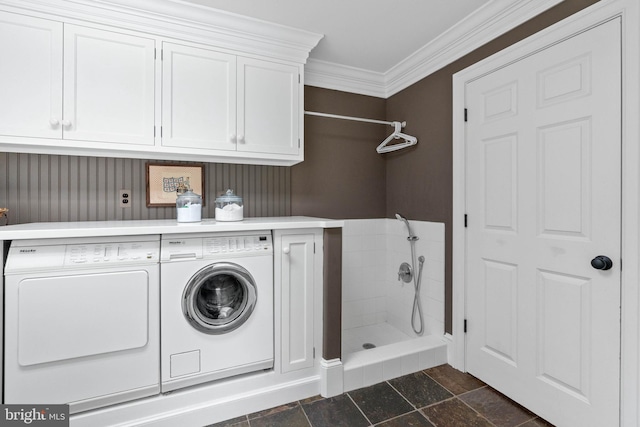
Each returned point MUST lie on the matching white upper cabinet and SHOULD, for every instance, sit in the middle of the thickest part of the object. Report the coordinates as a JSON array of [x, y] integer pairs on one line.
[[108, 81], [199, 98], [217, 101], [268, 111], [30, 76], [167, 81], [108, 86]]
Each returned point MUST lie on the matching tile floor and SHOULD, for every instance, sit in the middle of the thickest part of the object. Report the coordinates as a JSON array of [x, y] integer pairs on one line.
[[436, 397]]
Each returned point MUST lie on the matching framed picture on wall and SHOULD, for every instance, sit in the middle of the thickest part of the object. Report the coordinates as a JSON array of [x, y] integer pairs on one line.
[[163, 179]]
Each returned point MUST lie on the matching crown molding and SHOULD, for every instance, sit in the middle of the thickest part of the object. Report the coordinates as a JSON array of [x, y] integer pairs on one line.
[[329, 75], [490, 21], [181, 20]]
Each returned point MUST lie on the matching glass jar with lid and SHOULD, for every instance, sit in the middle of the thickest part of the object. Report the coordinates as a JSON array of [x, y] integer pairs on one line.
[[229, 207], [189, 207]]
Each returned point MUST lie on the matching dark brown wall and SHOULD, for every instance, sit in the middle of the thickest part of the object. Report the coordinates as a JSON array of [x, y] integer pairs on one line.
[[332, 291], [419, 180], [342, 175]]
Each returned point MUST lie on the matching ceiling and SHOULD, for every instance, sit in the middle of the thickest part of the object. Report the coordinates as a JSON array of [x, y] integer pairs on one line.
[[371, 35]]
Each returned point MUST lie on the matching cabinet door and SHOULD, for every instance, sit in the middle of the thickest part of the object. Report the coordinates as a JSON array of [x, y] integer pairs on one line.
[[297, 301], [30, 76], [108, 86], [199, 98], [268, 115]]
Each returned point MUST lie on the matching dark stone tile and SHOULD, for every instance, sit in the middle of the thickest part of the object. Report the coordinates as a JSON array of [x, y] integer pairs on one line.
[[454, 413], [293, 417], [337, 411], [412, 419], [537, 422], [273, 410], [497, 408], [420, 389], [380, 402], [453, 380], [311, 399], [235, 422]]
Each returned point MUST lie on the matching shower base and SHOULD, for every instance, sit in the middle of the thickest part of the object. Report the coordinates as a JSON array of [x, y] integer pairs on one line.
[[395, 354]]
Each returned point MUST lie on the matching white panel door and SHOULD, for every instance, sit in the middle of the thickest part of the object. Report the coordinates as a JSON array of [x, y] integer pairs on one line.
[[297, 301], [199, 98], [543, 145], [268, 112], [108, 86], [30, 76]]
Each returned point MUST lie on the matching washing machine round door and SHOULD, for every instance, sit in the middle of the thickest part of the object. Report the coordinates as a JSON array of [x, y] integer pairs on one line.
[[219, 298]]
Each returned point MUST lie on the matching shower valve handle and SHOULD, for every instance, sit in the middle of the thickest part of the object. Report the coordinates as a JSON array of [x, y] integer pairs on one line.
[[405, 273]]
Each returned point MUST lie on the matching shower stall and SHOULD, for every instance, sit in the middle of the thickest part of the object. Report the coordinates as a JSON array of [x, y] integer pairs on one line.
[[390, 326]]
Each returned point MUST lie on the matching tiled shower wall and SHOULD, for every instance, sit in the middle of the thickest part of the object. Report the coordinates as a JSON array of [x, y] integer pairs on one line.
[[43, 188], [373, 250]]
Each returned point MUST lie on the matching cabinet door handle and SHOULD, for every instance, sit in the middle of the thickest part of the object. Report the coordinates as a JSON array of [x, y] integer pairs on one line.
[[286, 250], [241, 139], [54, 122], [66, 123], [233, 139]]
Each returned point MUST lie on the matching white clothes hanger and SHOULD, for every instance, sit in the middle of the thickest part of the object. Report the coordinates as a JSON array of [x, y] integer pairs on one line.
[[408, 140], [383, 147]]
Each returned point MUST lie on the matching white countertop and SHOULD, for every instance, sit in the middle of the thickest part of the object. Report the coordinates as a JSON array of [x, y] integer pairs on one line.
[[51, 230]]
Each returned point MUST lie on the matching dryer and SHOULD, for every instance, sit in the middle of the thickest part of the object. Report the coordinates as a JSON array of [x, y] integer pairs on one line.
[[82, 321], [216, 307]]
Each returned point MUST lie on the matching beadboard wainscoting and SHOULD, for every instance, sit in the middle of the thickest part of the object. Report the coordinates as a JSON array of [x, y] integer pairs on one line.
[[44, 188]]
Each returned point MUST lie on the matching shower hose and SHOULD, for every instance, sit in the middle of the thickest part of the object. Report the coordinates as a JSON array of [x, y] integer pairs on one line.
[[417, 305]]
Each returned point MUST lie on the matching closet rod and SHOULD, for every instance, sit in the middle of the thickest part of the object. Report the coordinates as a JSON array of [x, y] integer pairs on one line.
[[356, 119]]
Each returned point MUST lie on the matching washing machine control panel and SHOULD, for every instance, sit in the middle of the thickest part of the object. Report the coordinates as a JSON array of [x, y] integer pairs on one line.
[[240, 244], [215, 246]]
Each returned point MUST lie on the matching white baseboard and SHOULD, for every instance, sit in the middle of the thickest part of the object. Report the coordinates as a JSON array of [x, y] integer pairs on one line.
[[199, 406], [331, 377]]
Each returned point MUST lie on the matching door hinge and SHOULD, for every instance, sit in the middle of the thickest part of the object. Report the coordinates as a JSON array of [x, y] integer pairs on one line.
[[314, 352], [465, 221], [298, 78], [155, 53], [160, 131], [465, 326], [466, 117], [298, 142], [154, 131], [314, 247]]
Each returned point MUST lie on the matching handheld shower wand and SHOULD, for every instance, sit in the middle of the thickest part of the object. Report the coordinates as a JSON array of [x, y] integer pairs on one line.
[[417, 306], [406, 222]]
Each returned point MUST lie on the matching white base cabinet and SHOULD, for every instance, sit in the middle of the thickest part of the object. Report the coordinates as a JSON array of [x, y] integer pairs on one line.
[[298, 267], [120, 84]]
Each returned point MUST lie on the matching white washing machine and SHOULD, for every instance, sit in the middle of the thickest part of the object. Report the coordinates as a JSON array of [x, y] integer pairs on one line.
[[216, 307], [82, 321]]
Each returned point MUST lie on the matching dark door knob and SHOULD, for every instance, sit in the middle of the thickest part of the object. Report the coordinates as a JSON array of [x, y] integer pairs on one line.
[[601, 262]]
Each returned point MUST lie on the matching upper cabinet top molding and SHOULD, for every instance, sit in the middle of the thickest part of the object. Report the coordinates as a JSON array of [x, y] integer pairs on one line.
[[181, 20]]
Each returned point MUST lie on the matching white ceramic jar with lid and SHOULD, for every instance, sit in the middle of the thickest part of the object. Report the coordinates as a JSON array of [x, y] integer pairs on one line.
[[229, 207], [189, 207]]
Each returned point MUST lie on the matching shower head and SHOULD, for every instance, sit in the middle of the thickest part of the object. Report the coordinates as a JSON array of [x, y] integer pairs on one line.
[[403, 219]]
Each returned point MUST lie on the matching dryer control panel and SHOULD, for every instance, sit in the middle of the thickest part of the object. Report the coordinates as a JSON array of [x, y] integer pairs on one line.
[[112, 253], [81, 253]]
